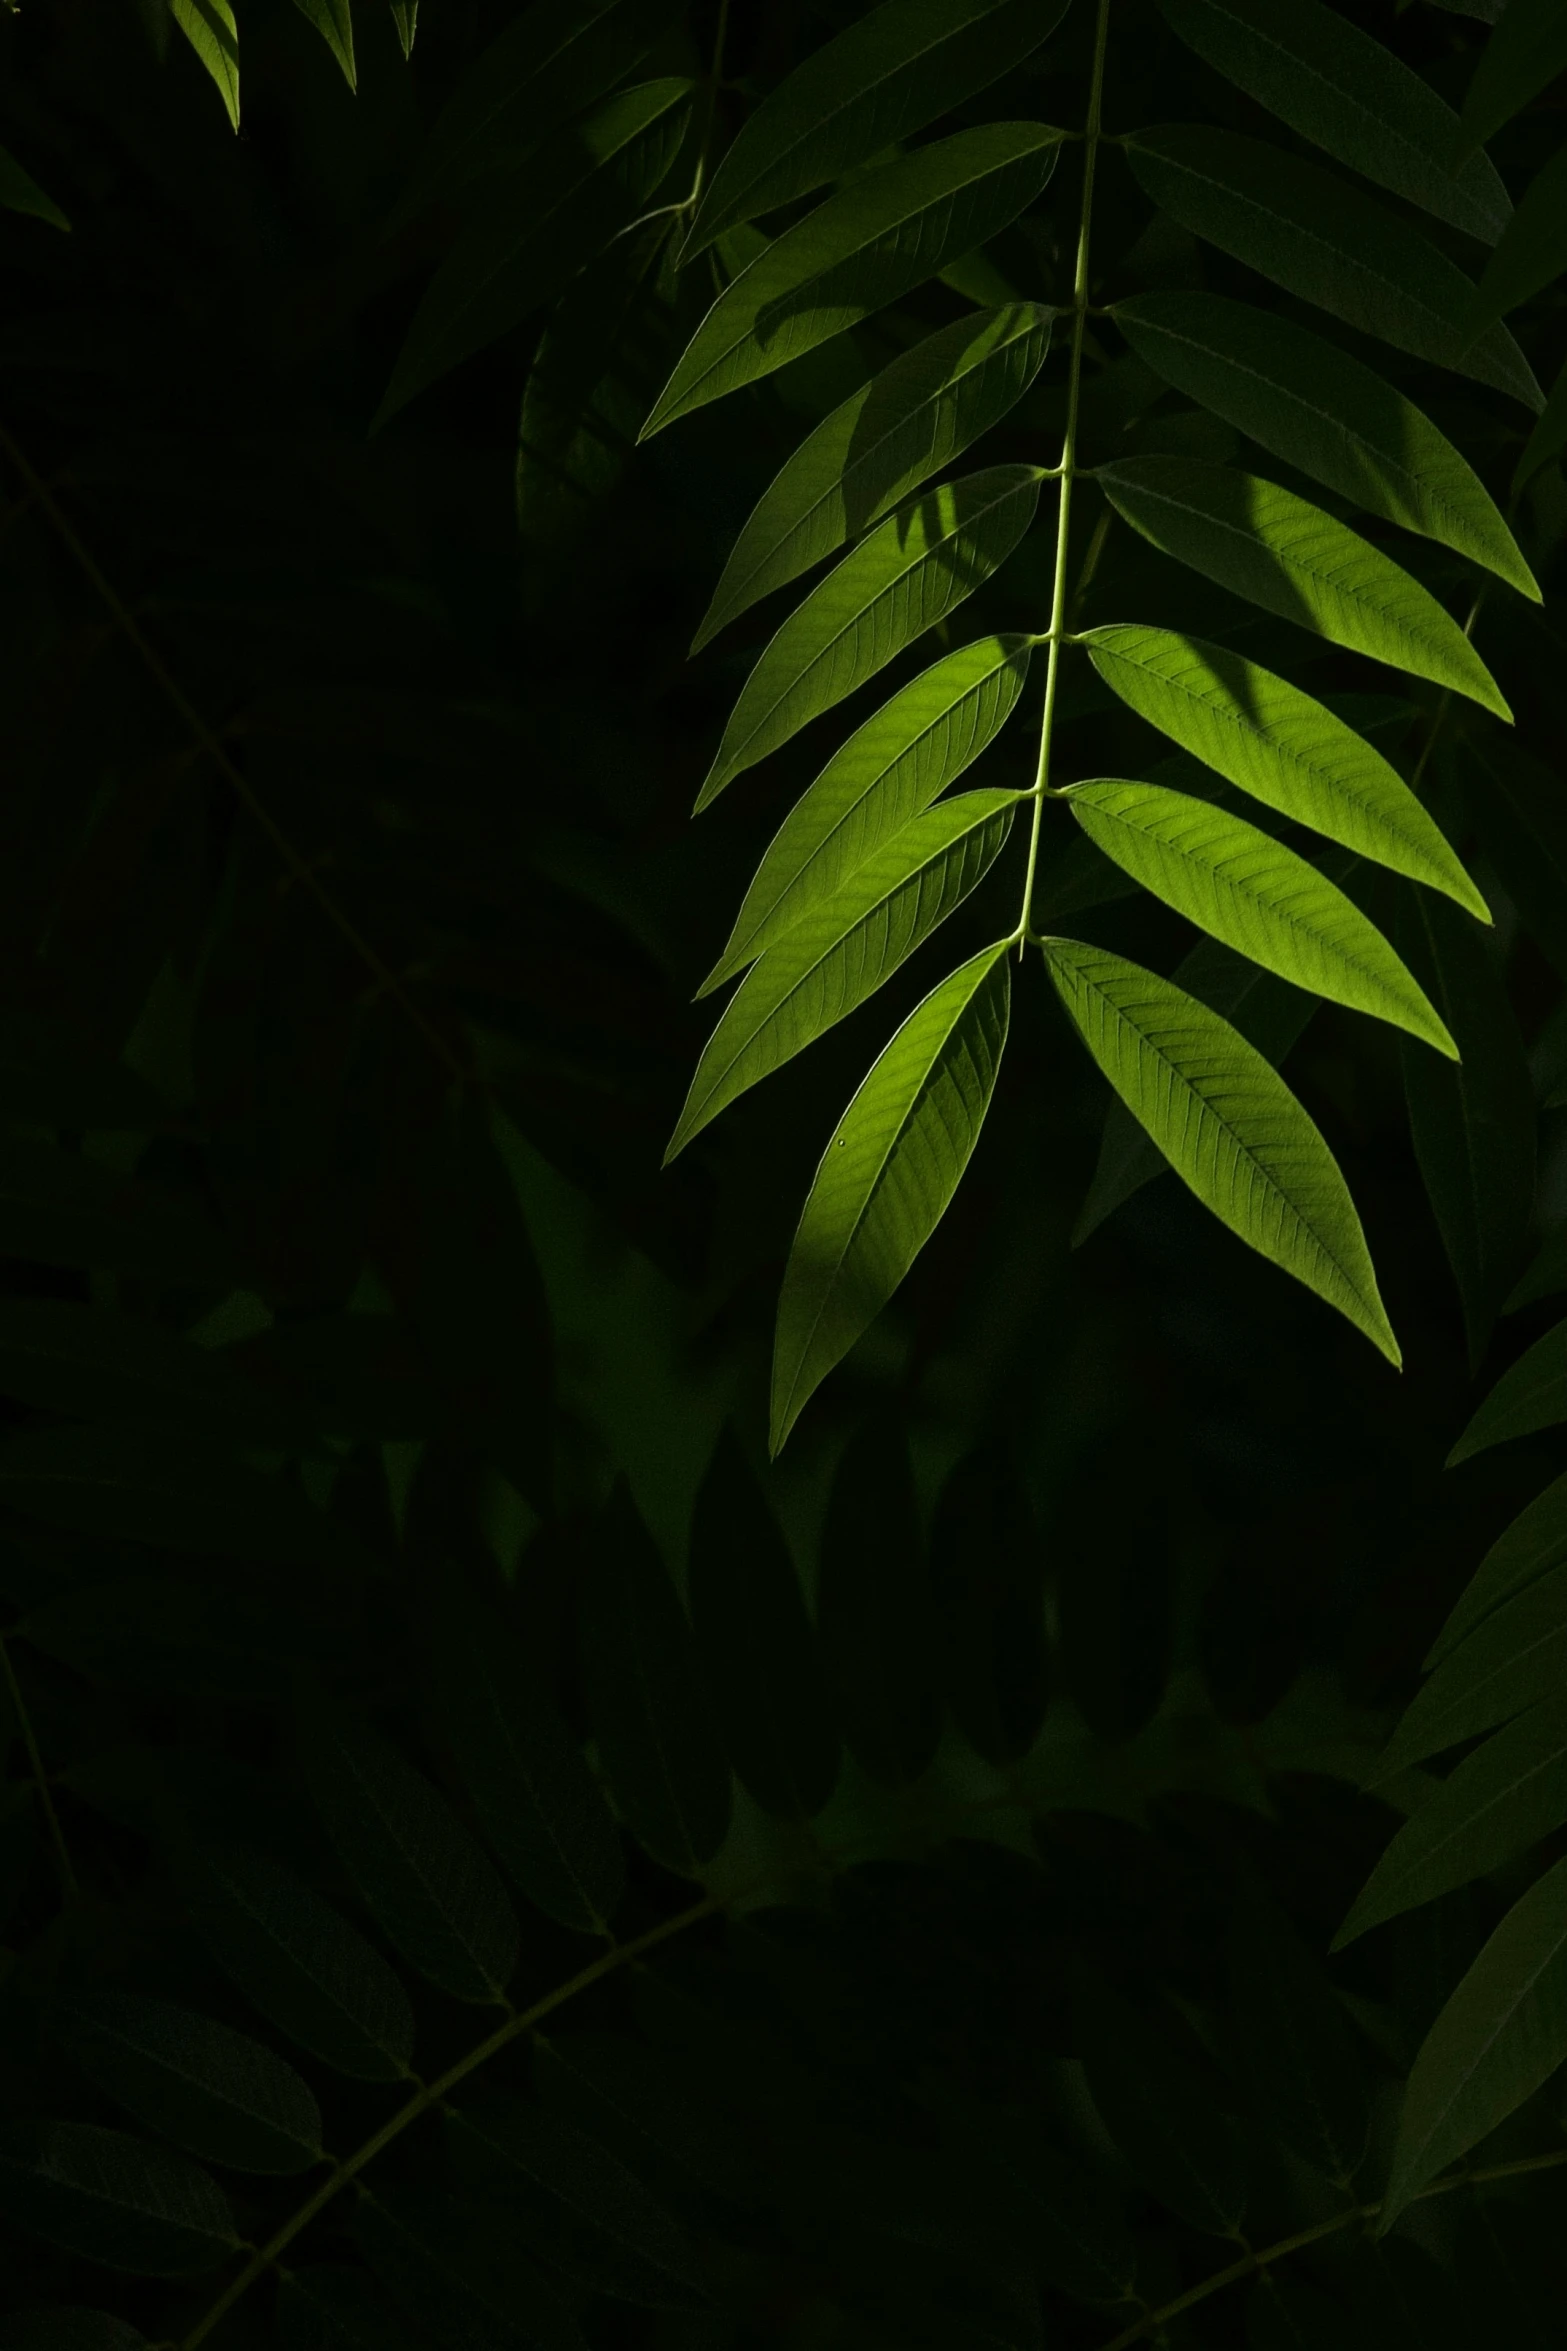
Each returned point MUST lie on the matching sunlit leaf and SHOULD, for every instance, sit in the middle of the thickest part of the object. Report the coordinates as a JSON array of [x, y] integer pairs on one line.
[[888, 772], [1531, 1395], [405, 16], [198, 2082], [20, 192], [300, 1962], [209, 27], [537, 227], [1510, 1661], [1291, 2042], [1161, 2112], [1274, 742], [757, 1643], [334, 21], [1502, 2034], [1319, 237], [887, 1175], [1506, 1796], [651, 1715], [1227, 1123], [867, 246], [880, 81], [1308, 402], [1290, 557], [417, 1869], [1349, 95], [538, 1803], [121, 2202], [1473, 1126], [892, 434], [842, 951], [1535, 1541], [1527, 51], [909, 574], [1257, 896]]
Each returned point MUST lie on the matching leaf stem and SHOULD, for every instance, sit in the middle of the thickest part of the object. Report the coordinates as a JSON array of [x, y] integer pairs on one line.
[[1091, 140], [35, 1764]]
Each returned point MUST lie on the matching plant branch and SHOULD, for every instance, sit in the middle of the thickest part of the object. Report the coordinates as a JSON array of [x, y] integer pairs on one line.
[[205, 739], [1058, 602], [35, 1764]]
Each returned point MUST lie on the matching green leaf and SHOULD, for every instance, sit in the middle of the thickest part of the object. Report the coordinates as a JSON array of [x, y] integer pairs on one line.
[[1531, 1395], [757, 1644], [1227, 1123], [1350, 96], [873, 1602], [85, 1360], [1264, 543], [209, 27], [1291, 2044], [121, 2202], [880, 81], [1272, 741], [641, 2102], [588, 2212], [887, 1175], [146, 1485], [555, 58], [405, 15], [1520, 813], [70, 2330], [861, 251], [457, 2276], [906, 424], [536, 228], [1502, 2034], [1545, 1274], [1548, 439], [328, 2306], [1160, 2110], [1510, 1661], [1533, 251], [536, 1799], [649, 1709], [1473, 1126], [200, 2083], [888, 772], [1320, 238], [300, 1962], [1535, 1541], [20, 192], [418, 1871], [1308, 402], [841, 952], [913, 570], [57, 1208], [1506, 1796], [333, 20], [1259, 897], [1525, 53], [987, 1571]]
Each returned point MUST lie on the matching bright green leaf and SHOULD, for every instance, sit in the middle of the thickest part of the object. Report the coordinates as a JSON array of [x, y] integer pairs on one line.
[[121, 2202], [1311, 404], [887, 1175], [405, 15], [209, 27], [198, 2082], [906, 424], [1264, 543], [537, 227], [890, 769], [1525, 53], [1504, 1797], [842, 951], [880, 81], [1531, 1395], [913, 570], [1502, 2034], [1534, 1542], [20, 192], [1259, 897], [1350, 96], [334, 21], [1319, 237], [1227, 1123], [862, 250], [1511, 1660]]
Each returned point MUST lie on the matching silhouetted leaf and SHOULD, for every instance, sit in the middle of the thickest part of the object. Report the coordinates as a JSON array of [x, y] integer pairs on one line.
[[211, 2089], [1527, 50], [887, 1175], [458, 2277], [640, 2104], [328, 2306], [1519, 813], [757, 1644], [1160, 2110], [1533, 251], [159, 1633], [1291, 558], [84, 1360], [1548, 439], [913, 570], [418, 1871], [874, 1611], [20, 192], [1292, 2043], [1535, 1541], [1511, 1660], [1531, 1395], [650, 1714], [57, 1208], [300, 1962], [121, 2202], [988, 1570], [146, 1485]]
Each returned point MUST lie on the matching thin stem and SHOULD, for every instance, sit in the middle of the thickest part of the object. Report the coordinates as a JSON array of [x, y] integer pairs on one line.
[[301, 869], [1091, 141], [1252, 2264], [35, 1764]]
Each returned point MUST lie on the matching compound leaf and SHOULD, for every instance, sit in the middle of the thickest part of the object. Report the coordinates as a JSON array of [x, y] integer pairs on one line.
[[199, 2082], [122, 2202]]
